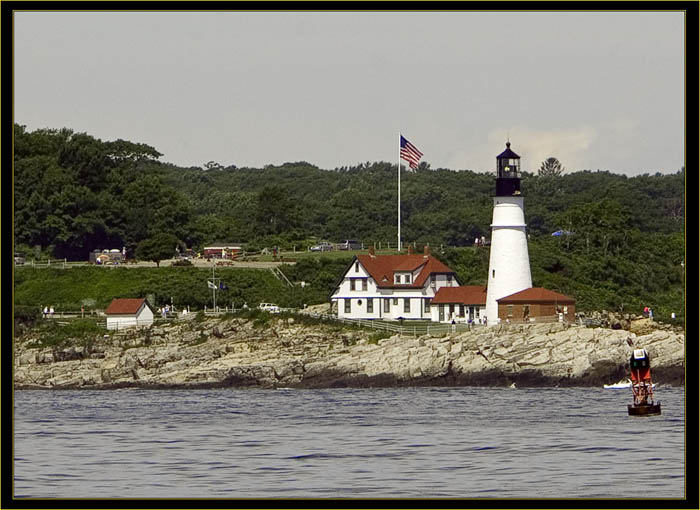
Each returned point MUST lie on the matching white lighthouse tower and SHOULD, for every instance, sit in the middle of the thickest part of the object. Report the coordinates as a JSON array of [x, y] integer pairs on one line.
[[509, 263]]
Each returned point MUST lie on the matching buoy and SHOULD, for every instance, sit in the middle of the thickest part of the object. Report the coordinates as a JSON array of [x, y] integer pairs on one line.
[[642, 388]]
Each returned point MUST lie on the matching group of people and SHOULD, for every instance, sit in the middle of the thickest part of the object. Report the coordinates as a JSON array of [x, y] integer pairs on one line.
[[470, 322], [165, 311], [48, 312], [648, 312]]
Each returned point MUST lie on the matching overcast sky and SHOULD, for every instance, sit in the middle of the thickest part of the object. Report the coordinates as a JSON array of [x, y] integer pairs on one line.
[[597, 90]]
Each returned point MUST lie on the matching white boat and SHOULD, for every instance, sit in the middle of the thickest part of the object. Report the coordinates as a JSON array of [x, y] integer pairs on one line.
[[621, 385]]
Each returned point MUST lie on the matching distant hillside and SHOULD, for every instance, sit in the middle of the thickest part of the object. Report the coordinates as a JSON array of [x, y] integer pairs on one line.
[[75, 193]]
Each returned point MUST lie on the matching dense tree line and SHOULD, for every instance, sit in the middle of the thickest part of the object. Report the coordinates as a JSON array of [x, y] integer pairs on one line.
[[74, 193], [620, 236]]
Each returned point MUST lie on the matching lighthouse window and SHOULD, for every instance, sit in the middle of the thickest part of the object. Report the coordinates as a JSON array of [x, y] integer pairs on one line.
[[493, 273]]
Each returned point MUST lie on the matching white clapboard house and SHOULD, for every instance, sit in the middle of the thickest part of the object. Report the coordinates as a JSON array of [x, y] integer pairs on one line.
[[391, 287], [461, 304], [129, 313]]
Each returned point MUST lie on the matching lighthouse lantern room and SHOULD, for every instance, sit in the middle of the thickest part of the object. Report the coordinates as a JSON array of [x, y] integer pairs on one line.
[[507, 173], [509, 262]]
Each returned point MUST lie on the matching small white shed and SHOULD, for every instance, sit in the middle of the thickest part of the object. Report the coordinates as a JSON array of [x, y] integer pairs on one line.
[[129, 313]]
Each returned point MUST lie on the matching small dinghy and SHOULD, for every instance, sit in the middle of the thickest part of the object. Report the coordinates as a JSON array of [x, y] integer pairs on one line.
[[622, 385]]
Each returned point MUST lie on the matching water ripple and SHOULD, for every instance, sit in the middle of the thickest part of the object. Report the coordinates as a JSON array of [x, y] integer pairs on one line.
[[345, 443]]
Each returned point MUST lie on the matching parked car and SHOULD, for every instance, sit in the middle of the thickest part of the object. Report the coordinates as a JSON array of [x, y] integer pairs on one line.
[[350, 245], [269, 307], [322, 247]]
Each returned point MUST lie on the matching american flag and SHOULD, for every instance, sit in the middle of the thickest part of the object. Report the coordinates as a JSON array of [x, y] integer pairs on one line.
[[410, 153]]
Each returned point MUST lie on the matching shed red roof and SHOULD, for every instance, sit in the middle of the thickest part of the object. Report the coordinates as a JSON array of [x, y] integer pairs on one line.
[[124, 306], [382, 268], [536, 295], [466, 295]]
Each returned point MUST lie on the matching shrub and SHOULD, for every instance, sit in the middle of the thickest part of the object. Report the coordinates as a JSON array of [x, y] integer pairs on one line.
[[27, 314], [374, 338]]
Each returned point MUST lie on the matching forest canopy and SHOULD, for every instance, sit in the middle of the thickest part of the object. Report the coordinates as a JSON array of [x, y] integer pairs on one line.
[[618, 236]]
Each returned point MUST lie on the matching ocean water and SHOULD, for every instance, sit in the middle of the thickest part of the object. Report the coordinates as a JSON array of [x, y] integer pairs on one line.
[[346, 443]]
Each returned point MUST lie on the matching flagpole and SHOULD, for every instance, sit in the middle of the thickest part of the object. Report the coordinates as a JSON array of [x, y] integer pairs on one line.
[[398, 169]]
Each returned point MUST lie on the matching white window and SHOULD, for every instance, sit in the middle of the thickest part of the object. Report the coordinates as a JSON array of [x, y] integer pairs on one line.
[[352, 284], [407, 278], [370, 305], [398, 278], [347, 306], [364, 284]]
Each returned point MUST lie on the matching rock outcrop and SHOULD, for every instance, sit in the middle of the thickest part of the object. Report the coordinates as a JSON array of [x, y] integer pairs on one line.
[[234, 352]]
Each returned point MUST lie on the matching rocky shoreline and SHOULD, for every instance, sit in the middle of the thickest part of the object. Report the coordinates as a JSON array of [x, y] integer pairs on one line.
[[235, 352]]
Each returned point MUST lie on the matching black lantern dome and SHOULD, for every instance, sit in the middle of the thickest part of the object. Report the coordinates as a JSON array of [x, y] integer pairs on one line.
[[507, 173]]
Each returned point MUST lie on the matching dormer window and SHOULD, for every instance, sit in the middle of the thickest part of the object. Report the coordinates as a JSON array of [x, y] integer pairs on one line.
[[407, 278], [397, 279], [449, 280]]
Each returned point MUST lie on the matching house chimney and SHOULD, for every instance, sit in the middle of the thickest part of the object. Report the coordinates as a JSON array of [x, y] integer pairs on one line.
[[410, 249], [371, 251], [426, 250]]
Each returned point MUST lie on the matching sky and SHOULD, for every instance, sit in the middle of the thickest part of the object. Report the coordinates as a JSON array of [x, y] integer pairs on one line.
[[596, 90]]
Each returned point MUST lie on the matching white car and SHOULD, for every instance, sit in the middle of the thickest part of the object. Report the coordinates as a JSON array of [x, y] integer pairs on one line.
[[269, 307]]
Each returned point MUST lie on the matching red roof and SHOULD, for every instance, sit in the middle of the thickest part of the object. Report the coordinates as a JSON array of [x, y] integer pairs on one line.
[[124, 306], [536, 295], [466, 295], [382, 268]]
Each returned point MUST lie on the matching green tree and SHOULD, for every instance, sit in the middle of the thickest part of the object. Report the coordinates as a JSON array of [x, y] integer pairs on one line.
[[550, 167], [159, 247]]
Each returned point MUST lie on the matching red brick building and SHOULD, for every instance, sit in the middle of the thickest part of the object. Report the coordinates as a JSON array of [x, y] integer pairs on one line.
[[529, 304]]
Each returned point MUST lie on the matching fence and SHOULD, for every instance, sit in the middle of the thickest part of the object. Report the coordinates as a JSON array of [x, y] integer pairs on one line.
[[64, 263], [406, 328]]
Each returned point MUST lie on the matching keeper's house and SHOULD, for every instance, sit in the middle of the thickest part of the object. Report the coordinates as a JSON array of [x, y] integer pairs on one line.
[[536, 302], [129, 313], [391, 287], [461, 304]]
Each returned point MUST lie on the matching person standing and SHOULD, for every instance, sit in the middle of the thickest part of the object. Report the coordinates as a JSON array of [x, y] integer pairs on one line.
[[51, 311], [46, 312]]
